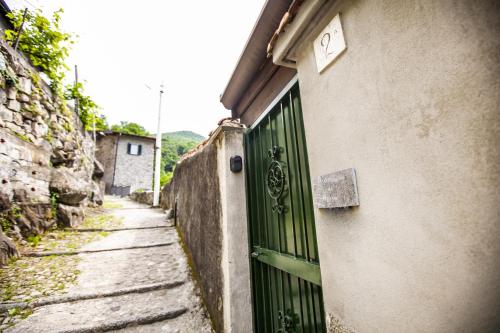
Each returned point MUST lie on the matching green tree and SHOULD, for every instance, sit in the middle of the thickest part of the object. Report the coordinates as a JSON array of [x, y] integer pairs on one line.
[[101, 123], [130, 128], [165, 178], [173, 146]]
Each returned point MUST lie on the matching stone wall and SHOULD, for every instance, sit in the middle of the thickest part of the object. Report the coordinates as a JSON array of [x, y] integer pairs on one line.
[[135, 171], [195, 186], [105, 153], [211, 218], [44, 154], [145, 197], [122, 170]]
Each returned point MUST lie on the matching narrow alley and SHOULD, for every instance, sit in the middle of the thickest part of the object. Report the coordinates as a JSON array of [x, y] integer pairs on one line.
[[134, 280], [267, 166]]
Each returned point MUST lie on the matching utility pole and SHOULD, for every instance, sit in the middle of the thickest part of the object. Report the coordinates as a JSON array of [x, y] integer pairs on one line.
[[156, 189]]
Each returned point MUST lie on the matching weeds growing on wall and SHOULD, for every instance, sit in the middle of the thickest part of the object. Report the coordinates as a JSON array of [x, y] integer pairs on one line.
[[87, 109], [47, 47], [42, 41], [5, 224], [54, 199]]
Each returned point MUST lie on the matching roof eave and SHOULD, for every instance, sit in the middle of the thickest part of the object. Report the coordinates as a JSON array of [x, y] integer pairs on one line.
[[255, 51]]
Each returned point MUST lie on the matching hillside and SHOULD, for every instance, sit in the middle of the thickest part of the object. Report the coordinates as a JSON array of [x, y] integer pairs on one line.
[[184, 135], [173, 146]]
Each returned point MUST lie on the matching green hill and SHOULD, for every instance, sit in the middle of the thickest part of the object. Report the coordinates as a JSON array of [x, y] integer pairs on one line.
[[184, 135], [173, 146]]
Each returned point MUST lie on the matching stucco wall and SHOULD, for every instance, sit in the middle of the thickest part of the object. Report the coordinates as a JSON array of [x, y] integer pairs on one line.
[[135, 171], [235, 250], [413, 105]]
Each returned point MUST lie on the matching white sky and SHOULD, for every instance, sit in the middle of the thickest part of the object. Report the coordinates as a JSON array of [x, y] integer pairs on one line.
[[192, 46]]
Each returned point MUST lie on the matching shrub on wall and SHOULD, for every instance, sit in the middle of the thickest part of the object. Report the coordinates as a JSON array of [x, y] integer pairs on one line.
[[47, 47], [42, 41]]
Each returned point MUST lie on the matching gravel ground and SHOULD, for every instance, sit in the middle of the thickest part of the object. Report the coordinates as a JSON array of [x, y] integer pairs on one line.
[[174, 306]]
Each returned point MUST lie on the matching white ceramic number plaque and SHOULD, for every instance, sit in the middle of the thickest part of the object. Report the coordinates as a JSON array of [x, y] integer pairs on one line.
[[329, 44]]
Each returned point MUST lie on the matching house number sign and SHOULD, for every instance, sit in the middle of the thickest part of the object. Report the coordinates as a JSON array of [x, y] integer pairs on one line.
[[329, 44]]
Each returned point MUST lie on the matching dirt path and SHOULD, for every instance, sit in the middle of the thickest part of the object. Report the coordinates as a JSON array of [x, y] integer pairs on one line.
[[133, 280]]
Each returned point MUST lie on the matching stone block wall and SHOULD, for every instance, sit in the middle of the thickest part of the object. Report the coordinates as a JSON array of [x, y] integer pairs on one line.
[[105, 153], [211, 218], [44, 153], [145, 197], [135, 171], [195, 187]]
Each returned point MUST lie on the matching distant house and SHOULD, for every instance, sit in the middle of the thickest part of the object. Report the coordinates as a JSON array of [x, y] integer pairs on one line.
[[127, 160]]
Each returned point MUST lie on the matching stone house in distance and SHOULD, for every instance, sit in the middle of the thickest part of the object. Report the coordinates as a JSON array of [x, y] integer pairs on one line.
[[128, 161]]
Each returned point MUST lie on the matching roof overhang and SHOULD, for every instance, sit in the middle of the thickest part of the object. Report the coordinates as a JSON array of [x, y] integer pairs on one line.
[[114, 133], [284, 46], [4, 10], [255, 51], [4, 7]]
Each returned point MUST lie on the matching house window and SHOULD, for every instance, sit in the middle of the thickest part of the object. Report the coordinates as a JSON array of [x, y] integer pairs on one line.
[[134, 149]]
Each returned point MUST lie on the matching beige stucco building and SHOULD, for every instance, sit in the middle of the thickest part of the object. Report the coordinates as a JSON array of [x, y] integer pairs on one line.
[[412, 103]]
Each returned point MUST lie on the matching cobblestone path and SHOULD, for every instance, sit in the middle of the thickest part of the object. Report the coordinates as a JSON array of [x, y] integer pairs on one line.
[[142, 284]]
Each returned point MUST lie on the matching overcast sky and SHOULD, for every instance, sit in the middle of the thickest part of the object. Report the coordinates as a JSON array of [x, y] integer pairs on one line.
[[192, 46]]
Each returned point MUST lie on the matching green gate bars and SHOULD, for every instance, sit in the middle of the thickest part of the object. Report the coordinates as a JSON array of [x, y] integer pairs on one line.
[[286, 279]]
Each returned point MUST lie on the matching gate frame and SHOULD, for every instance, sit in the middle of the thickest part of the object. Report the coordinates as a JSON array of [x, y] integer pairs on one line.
[[286, 89], [275, 101]]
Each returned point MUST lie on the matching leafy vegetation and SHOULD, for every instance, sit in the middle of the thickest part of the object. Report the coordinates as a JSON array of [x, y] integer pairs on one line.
[[47, 47], [130, 128], [5, 224], [184, 135], [34, 240], [173, 146], [86, 108], [42, 41], [54, 198]]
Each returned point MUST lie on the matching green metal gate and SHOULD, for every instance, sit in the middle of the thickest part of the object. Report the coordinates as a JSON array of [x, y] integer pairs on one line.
[[286, 279]]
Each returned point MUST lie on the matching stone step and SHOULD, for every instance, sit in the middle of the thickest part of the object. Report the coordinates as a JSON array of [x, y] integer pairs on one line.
[[4, 307], [75, 252], [189, 322], [141, 217], [108, 271], [134, 237], [108, 313], [117, 229]]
